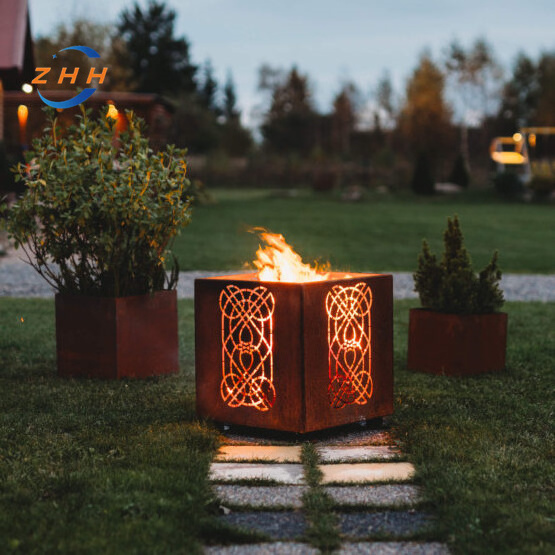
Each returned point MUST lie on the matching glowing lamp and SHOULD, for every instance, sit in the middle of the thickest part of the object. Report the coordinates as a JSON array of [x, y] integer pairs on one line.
[[296, 356], [27, 88], [22, 115]]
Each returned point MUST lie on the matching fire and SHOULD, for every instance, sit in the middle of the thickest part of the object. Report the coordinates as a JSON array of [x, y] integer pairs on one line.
[[277, 261]]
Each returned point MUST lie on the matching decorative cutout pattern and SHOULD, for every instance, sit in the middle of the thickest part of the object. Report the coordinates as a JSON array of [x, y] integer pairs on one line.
[[247, 357], [348, 310]]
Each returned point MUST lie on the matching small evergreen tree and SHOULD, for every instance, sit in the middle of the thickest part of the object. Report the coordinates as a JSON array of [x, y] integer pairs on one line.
[[451, 285], [422, 178]]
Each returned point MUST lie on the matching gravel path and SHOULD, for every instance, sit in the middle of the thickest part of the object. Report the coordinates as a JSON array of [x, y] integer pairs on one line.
[[18, 279]]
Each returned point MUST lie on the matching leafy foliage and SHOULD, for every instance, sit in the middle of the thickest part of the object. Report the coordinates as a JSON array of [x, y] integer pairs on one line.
[[99, 213], [451, 285]]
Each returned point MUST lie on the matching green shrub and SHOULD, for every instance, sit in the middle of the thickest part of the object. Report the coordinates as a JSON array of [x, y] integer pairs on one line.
[[508, 183], [99, 213], [460, 174], [451, 285], [422, 179]]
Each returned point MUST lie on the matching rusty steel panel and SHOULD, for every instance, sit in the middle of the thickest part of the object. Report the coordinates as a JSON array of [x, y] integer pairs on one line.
[[456, 344], [111, 338], [295, 357]]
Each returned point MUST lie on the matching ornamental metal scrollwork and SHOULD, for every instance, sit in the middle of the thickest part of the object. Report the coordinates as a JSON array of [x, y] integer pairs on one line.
[[247, 342], [349, 326]]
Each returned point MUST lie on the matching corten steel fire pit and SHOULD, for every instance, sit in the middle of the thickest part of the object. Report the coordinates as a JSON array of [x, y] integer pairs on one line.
[[296, 357]]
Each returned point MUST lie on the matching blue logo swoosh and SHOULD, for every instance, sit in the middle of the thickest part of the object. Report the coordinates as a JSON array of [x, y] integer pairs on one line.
[[90, 52], [81, 97]]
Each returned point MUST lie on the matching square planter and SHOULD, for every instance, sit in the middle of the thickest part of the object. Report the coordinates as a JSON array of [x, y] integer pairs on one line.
[[295, 357], [456, 345], [111, 338]]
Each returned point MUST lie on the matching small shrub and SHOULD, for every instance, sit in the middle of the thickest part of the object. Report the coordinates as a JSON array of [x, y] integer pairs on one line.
[[451, 285], [460, 174], [422, 179], [98, 214], [508, 184]]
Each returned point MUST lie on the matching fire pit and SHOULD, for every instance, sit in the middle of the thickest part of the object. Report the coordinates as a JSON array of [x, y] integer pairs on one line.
[[296, 356]]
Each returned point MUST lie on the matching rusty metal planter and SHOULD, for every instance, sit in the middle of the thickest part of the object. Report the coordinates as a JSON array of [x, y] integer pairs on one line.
[[296, 357], [456, 345], [111, 338]]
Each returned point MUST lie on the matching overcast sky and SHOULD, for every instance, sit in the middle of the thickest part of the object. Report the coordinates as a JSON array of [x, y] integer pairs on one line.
[[330, 40]]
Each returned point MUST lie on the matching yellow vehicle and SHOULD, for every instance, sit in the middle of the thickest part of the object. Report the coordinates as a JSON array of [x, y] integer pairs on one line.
[[530, 154]]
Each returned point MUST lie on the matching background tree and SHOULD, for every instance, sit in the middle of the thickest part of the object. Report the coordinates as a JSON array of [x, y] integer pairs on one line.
[[344, 117], [385, 112], [208, 88], [159, 61], [425, 118], [290, 123], [476, 77], [229, 106]]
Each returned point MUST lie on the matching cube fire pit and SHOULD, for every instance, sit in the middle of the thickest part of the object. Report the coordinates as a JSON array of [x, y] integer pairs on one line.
[[294, 356]]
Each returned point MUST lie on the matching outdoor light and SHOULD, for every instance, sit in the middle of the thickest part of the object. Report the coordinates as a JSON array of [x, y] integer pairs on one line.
[[27, 88], [298, 354], [22, 114], [112, 112], [517, 137]]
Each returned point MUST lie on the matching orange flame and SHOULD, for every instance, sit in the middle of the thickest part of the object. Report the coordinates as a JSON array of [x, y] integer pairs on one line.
[[277, 261]]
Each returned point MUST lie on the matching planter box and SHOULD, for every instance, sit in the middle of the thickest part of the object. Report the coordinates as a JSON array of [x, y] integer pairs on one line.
[[124, 337], [456, 345], [295, 357]]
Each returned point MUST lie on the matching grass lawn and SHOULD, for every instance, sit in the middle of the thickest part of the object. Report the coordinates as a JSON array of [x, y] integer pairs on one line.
[[121, 467], [381, 233]]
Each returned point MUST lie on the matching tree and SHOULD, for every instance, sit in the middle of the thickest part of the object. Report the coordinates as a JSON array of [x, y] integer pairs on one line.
[[476, 75], [385, 114], [159, 62], [289, 124], [229, 108], [425, 119], [208, 88], [520, 95], [546, 83], [344, 117]]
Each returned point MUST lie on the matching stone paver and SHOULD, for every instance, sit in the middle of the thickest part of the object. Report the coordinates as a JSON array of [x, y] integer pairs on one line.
[[397, 523], [391, 495], [277, 453], [282, 473], [347, 453], [261, 496], [393, 548], [276, 548], [276, 525], [366, 472]]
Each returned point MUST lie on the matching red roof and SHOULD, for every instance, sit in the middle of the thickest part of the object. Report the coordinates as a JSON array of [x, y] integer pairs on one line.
[[16, 59]]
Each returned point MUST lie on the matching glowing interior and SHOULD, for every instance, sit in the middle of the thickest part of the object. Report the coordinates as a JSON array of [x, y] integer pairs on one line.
[[349, 327], [247, 341], [277, 261]]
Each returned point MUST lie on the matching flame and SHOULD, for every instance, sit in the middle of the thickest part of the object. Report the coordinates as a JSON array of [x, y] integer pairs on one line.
[[277, 261]]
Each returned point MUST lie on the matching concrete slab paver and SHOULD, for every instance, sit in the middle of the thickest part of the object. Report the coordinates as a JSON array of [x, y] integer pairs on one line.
[[366, 472], [391, 495], [275, 548], [282, 473], [261, 496], [346, 453], [393, 548], [277, 453], [285, 525]]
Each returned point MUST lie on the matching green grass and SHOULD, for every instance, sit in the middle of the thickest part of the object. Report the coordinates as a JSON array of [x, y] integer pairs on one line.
[[121, 467], [484, 446], [381, 233]]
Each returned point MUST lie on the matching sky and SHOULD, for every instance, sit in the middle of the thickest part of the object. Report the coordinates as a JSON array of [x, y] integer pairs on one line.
[[333, 41]]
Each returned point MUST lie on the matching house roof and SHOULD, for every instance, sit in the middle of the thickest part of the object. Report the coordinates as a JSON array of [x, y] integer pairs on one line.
[[16, 49]]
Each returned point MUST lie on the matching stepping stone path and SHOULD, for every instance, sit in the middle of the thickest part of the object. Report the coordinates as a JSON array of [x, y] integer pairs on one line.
[[260, 484]]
